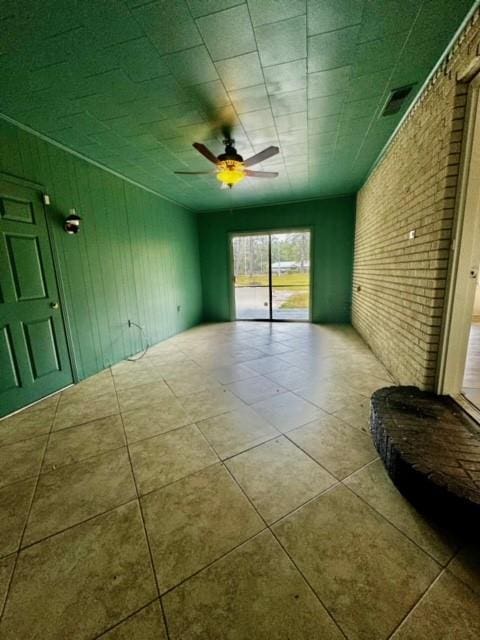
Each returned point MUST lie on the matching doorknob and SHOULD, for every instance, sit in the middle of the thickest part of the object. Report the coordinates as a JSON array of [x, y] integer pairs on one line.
[[54, 305]]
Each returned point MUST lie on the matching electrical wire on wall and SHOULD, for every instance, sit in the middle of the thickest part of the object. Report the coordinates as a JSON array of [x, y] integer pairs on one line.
[[144, 340]]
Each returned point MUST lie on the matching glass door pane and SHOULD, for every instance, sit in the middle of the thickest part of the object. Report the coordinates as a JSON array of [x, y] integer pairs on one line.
[[291, 276], [251, 277]]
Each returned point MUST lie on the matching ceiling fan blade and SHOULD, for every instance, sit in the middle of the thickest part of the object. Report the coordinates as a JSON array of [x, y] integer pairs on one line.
[[201, 148], [261, 174], [194, 173], [260, 157]]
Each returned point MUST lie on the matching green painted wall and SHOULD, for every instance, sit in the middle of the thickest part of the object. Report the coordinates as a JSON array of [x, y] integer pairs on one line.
[[135, 257], [333, 226]]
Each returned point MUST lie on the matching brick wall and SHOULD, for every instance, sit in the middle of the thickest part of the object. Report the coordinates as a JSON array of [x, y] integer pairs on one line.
[[399, 283]]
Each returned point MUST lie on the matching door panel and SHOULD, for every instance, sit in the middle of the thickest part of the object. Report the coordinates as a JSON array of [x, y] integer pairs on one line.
[[42, 347], [9, 377], [291, 275], [251, 276], [33, 350], [25, 267]]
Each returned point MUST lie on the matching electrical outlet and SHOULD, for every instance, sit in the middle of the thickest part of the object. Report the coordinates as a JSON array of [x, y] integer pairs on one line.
[[129, 323], [178, 308]]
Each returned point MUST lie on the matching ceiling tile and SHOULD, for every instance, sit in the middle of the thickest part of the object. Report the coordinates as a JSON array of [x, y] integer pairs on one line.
[[263, 137], [169, 25], [111, 22], [325, 106], [292, 122], [204, 7], [361, 108], [369, 86], [330, 15], [327, 83], [266, 11], [330, 50], [377, 55], [228, 33], [324, 124], [284, 103], [282, 41], [239, 72], [257, 120], [384, 17], [250, 99], [139, 59], [289, 76], [192, 66]]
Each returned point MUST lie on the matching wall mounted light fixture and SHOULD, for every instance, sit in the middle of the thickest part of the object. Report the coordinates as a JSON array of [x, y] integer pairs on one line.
[[72, 222]]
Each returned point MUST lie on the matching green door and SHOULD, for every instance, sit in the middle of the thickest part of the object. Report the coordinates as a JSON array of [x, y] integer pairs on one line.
[[33, 350]]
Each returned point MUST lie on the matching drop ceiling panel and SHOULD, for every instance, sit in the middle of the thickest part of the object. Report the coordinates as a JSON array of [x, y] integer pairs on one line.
[[132, 83]]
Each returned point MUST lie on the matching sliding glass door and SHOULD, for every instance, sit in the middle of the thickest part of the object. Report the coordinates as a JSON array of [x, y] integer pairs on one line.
[[272, 276]]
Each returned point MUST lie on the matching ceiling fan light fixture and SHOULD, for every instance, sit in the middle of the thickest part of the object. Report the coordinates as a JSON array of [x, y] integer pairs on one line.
[[230, 172]]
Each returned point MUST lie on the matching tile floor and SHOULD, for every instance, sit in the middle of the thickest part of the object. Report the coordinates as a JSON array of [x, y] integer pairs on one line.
[[222, 487]]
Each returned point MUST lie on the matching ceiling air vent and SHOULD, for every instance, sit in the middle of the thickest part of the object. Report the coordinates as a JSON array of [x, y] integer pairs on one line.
[[396, 99]]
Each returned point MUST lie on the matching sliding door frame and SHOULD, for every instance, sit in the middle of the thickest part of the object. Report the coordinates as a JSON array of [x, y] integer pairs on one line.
[[231, 270]]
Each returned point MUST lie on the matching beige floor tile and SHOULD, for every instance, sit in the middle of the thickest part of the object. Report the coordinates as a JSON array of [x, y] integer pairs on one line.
[[356, 415], [163, 459], [236, 431], [466, 566], [274, 348], [15, 502], [290, 377], [365, 571], [21, 459], [368, 384], [143, 395], [71, 412], [194, 521], [184, 384], [147, 624], [335, 445], [253, 592], [125, 367], [329, 395], [232, 373], [89, 439], [6, 568], [287, 411], [255, 389], [90, 388], [26, 424], [373, 485], [82, 581], [210, 402], [278, 477], [128, 379], [158, 418], [448, 611], [266, 364], [79, 491]]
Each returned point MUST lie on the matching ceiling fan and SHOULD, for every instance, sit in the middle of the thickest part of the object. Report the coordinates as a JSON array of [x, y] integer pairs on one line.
[[231, 168]]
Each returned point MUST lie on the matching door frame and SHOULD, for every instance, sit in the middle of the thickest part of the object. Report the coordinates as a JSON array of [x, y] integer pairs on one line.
[[41, 189], [465, 256], [269, 232]]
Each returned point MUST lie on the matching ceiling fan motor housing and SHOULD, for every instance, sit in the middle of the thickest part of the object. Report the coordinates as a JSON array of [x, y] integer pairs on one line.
[[230, 152]]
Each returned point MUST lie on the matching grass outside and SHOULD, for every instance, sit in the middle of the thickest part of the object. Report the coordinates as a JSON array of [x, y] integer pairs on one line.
[[296, 301], [288, 282], [281, 280]]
